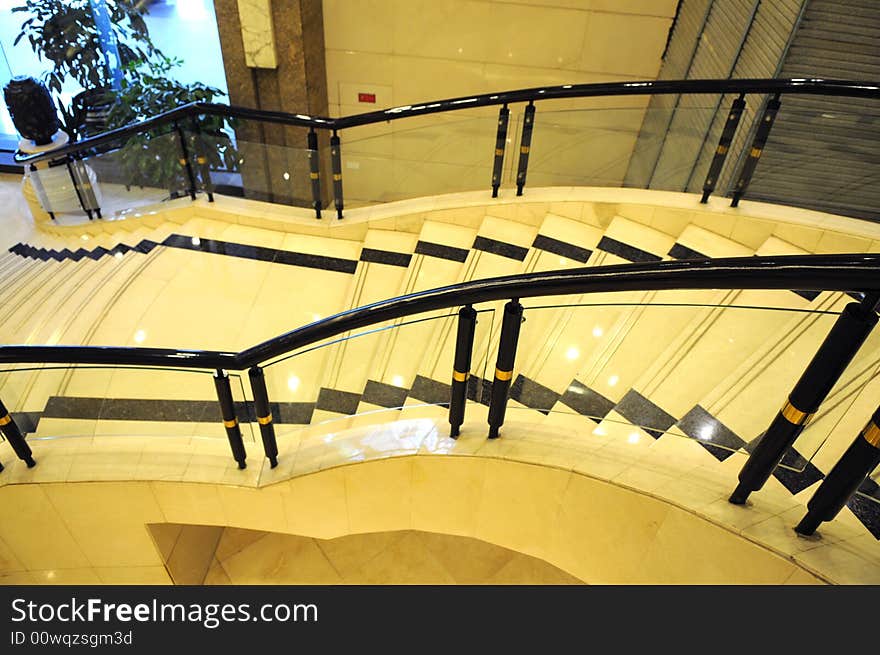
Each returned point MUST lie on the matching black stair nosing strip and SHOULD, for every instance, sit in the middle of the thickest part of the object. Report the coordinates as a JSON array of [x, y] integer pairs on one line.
[[795, 472], [27, 422], [500, 248], [644, 414], [479, 389], [145, 247], [97, 253], [562, 248], [340, 402], [870, 488], [384, 395], [626, 251], [288, 413], [428, 390], [867, 511], [159, 410], [798, 480], [438, 250], [389, 257], [132, 409], [585, 401], [261, 253], [532, 394], [710, 433], [681, 251]]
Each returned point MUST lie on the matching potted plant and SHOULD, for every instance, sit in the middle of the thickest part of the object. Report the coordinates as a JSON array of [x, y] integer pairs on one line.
[[153, 158], [65, 33]]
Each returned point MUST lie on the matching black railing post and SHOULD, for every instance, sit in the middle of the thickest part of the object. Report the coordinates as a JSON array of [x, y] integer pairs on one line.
[[230, 420], [757, 149], [185, 161], [40, 190], [264, 414], [510, 325], [464, 348], [15, 437], [837, 350], [845, 478], [336, 164], [202, 160], [76, 187], [500, 145], [727, 134], [315, 172], [525, 146], [85, 184]]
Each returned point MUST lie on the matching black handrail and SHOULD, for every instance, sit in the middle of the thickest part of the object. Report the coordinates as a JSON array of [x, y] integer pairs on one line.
[[814, 86], [848, 272]]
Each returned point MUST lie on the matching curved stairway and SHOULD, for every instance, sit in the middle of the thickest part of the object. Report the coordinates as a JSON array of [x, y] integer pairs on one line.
[[704, 369]]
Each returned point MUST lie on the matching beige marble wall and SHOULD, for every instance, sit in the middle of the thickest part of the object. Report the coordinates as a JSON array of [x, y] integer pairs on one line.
[[401, 557], [412, 51], [257, 33], [595, 531]]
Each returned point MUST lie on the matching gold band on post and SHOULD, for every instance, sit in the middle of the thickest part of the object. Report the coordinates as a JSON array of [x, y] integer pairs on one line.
[[871, 433], [313, 176], [337, 176], [6, 420], [499, 152], [265, 420], [459, 376], [721, 150], [182, 161], [793, 415], [755, 152], [524, 150], [503, 375], [231, 424]]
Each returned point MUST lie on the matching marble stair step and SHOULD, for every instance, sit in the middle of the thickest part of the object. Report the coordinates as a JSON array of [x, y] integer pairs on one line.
[[12, 270], [384, 271], [748, 399], [438, 261], [561, 243], [588, 333], [501, 247], [678, 328], [708, 348], [34, 294]]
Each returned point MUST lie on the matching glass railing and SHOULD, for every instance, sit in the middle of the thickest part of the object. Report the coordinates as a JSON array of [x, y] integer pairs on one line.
[[713, 366], [370, 376], [53, 402], [571, 135], [145, 171], [709, 365]]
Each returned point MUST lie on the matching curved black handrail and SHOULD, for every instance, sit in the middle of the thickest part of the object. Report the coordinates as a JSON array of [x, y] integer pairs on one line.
[[849, 272], [814, 86]]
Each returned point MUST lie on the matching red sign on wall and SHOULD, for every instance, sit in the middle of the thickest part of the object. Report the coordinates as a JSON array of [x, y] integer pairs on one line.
[[367, 97]]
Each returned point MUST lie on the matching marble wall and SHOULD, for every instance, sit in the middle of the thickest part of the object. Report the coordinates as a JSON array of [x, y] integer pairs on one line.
[[411, 51], [197, 554], [273, 53], [257, 33]]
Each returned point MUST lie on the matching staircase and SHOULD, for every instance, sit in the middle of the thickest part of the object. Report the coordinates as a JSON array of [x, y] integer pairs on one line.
[[703, 368]]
